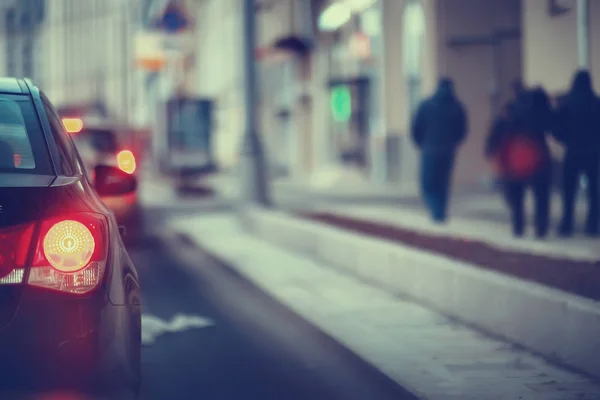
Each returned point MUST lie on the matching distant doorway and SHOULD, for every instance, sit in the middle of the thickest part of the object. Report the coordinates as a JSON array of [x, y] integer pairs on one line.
[[350, 115]]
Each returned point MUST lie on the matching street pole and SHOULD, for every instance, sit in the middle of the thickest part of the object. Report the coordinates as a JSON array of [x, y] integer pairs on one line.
[[252, 164], [583, 34]]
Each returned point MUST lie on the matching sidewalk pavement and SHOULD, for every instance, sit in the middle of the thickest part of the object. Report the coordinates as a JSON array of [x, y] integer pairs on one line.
[[476, 213], [424, 352]]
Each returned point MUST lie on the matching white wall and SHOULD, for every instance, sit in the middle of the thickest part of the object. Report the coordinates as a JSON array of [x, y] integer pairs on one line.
[[219, 72], [88, 51], [551, 45], [219, 67], [472, 68]]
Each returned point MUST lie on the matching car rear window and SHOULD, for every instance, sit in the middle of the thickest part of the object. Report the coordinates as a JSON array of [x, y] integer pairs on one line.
[[22, 144], [101, 140]]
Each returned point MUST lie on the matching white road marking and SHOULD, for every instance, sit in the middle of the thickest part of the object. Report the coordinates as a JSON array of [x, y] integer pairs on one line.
[[153, 327]]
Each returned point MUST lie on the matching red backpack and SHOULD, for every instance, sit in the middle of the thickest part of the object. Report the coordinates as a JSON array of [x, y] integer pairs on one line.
[[520, 158]]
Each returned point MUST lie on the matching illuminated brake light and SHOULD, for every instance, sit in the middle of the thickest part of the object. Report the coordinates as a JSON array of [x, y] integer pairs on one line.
[[65, 254], [73, 125], [71, 254], [126, 161], [68, 246]]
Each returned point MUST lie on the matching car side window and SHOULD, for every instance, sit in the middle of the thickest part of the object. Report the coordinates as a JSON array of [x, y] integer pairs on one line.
[[66, 161]]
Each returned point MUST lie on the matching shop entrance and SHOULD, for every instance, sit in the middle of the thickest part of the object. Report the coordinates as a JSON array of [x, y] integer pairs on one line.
[[349, 116]]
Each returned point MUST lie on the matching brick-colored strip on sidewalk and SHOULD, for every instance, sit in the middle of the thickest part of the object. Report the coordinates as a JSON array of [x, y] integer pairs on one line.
[[576, 277]]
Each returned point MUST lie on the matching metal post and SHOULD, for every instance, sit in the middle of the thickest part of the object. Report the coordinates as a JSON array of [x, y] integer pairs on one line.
[[252, 159], [379, 143], [583, 34]]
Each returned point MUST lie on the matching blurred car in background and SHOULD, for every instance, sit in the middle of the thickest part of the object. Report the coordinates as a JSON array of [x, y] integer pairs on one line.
[[99, 144], [186, 126]]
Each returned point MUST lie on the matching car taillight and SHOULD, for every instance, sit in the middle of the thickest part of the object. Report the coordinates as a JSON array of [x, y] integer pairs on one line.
[[73, 125], [69, 253], [15, 243], [126, 161]]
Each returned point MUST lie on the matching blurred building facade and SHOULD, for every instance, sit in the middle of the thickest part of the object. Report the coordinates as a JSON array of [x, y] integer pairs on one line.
[[78, 52], [219, 71], [20, 36], [380, 61], [389, 55]]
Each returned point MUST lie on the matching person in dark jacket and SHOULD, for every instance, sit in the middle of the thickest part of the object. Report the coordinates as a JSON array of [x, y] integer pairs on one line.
[[517, 142], [501, 127], [578, 129], [439, 127]]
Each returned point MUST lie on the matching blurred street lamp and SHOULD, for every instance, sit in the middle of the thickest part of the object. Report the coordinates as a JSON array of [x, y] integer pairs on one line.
[[334, 16], [340, 12]]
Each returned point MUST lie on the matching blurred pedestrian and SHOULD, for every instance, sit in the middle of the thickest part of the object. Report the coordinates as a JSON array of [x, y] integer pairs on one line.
[[500, 129], [439, 127], [517, 144], [578, 129]]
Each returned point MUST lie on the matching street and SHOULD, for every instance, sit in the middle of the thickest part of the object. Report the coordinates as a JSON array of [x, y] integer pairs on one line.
[[311, 210], [249, 347]]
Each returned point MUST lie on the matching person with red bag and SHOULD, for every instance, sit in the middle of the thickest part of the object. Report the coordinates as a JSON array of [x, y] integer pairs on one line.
[[521, 155]]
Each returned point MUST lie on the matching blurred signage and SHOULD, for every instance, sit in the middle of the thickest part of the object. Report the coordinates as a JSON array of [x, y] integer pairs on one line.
[[181, 42], [341, 103], [359, 46], [149, 51], [174, 18]]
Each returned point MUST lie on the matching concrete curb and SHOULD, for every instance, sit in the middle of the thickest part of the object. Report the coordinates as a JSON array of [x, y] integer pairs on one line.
[[557, 325]]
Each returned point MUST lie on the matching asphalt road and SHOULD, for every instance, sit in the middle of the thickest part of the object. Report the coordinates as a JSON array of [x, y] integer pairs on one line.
[[251, 347]]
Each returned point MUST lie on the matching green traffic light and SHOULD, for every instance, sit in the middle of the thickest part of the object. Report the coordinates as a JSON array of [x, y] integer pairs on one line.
[[341, 103]]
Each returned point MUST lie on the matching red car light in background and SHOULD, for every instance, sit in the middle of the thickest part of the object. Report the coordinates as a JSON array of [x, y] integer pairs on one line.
[[73, 125], [126, 161]]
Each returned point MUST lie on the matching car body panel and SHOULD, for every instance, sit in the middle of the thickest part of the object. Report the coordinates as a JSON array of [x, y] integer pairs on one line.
[[83, 340]]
